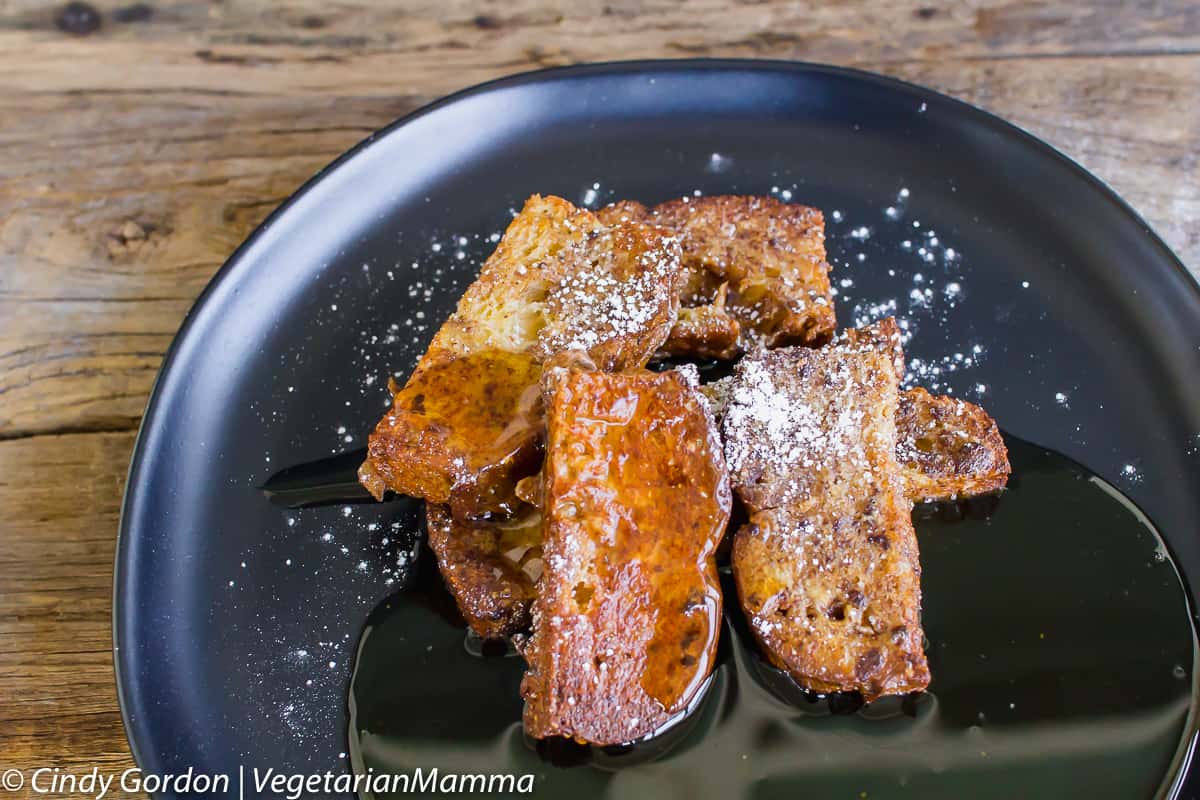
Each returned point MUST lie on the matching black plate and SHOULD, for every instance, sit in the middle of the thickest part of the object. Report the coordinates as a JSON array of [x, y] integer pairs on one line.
[[236, 621]]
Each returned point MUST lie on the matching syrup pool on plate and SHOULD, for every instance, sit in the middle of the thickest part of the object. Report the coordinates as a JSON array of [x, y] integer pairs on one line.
[[1059, 637]]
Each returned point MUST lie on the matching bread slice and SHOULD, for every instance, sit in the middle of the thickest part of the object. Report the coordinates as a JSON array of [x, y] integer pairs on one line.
[[883, 335], [948, 448], [827, 567], [628, 608], [491, 568], [705, 331], [769, 256], [467, 424]]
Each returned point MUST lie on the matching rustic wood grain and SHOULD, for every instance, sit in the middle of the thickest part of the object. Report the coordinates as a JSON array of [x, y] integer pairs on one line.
[[141, 141], [58, 704]]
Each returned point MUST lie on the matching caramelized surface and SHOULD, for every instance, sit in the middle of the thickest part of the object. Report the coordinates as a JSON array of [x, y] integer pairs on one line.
[[882, 335], [827, 567], [460, 430], [769, 256], [948, 447], [705, 331], [628, 608], [491, 568]]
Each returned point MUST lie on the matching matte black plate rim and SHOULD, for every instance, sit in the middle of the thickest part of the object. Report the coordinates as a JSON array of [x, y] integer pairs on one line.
[[151, 424]]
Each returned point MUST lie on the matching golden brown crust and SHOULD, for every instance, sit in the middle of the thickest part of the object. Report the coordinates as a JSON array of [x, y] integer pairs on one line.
[[466, 426], [948, 448], [616, 297], [883, 335], [491, 568], [770, 254], [461, 431], [705, 331], [827, 568], [628, 608], [754, 268]]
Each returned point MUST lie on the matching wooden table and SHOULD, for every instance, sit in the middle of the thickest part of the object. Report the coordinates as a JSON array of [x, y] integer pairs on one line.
[[140, 142]]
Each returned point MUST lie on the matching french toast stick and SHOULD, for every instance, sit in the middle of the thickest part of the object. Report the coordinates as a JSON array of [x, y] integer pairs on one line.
[[827, 568], [948, 448], [628, 607], [491, 568], [755, 271], [467, 424]]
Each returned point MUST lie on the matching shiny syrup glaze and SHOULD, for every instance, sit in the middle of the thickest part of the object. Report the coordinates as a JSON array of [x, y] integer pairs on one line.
[[635, 507], [477, 420], [1059, 637]]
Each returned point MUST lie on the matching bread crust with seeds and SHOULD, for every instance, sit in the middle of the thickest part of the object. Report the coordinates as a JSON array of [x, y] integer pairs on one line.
[[467, 424], [628, 608], [827, 568]]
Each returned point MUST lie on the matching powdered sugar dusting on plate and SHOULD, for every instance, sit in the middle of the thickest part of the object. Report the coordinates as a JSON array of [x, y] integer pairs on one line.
[[928, 276]]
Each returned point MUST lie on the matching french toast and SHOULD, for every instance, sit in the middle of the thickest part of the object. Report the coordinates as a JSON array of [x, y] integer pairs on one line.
[[948, 448], [628, 607], [467, 424], [883, 335], [826, 568], [767, 255], [491, 568]]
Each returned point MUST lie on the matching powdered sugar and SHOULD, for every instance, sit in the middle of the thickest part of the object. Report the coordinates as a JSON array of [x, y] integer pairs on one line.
[[774, 435], [603, 306]]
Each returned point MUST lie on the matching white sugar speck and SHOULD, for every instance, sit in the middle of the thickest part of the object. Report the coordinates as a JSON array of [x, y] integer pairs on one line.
[[718, 163]]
